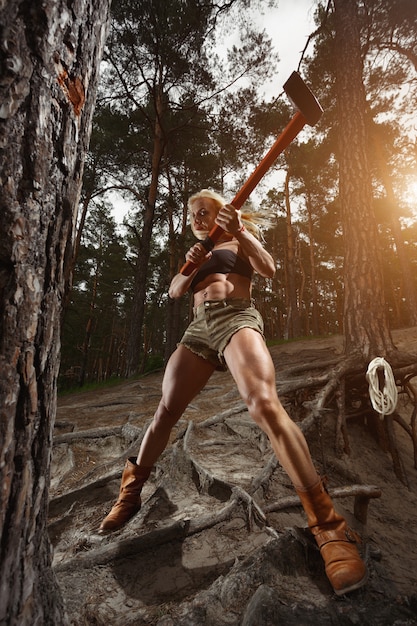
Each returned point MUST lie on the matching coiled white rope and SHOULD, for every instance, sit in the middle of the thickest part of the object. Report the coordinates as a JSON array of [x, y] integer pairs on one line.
[[385, 401]]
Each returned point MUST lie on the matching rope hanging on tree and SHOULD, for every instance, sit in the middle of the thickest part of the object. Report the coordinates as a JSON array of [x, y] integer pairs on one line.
[[385, 401]]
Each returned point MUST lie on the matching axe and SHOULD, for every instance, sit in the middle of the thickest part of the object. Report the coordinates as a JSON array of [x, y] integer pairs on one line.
[[308, 112]]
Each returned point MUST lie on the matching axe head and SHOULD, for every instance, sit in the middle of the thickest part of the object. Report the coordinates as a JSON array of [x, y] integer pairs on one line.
[[303, 99]]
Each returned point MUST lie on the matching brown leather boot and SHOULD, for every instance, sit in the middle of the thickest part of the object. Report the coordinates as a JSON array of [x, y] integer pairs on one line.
[[337, 542], [129, 502]]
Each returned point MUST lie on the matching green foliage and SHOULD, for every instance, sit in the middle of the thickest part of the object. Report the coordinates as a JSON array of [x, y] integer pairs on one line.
[[163, 67], [94, 329]]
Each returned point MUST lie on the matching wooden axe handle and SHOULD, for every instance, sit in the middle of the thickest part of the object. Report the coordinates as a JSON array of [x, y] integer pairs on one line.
[[289, 133]]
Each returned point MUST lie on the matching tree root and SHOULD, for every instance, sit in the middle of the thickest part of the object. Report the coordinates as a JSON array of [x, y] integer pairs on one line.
[[176, 531], [211, 505], [362, 494], [240, 503], [348, 378]]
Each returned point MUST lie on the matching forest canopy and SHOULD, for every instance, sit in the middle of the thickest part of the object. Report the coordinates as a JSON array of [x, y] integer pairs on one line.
[[176, 113]]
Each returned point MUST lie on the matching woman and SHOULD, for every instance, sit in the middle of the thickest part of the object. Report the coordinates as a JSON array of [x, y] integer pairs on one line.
[[228, 331]]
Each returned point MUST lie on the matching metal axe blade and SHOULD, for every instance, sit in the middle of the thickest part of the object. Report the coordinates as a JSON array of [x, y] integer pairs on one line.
[[303, 99]]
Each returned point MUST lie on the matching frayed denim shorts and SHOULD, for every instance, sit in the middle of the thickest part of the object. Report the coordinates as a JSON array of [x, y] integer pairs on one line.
[[214, 324]]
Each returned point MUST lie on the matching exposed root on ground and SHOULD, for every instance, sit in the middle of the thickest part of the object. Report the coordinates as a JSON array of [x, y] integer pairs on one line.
[[343, 389], [211, 543]]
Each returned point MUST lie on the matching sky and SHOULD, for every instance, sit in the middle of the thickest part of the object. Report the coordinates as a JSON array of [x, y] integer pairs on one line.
[[289, 27]]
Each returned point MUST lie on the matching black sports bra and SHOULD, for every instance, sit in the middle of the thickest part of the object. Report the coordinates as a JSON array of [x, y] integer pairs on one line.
[[222, 262]]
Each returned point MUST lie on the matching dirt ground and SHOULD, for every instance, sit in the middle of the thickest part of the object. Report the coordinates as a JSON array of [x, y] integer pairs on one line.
[[208, 547]]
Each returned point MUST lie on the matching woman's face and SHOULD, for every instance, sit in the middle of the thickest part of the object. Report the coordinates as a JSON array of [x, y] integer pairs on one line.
[[202, 215]]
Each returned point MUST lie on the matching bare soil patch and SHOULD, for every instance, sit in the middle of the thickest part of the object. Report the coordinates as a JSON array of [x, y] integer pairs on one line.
[[208, 547]]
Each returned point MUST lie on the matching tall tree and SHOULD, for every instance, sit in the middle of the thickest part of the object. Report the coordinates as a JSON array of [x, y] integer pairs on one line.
[[313, 184], [93, 328], [387, 38], [161, 75], [293, 318], [49, 61], [153, 54], [408, 285], [366, 327]]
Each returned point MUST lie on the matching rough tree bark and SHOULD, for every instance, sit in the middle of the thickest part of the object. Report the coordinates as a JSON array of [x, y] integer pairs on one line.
[[49, 60], [366, 327]]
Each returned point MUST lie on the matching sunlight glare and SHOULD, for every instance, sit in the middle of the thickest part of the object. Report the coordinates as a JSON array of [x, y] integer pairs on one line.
[[410, 195]]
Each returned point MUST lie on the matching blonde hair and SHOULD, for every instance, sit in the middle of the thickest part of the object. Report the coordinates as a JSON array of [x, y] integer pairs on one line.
[[253, 220]]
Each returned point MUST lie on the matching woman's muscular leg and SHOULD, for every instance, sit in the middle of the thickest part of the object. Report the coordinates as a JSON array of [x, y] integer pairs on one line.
[[185, 375], [251, 366]]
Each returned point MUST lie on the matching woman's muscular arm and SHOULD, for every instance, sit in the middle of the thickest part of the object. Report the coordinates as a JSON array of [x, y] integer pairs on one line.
[[180, 283], [262, 262]]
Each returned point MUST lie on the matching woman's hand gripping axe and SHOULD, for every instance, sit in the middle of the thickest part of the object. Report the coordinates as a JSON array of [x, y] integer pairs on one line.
[[308, 112]]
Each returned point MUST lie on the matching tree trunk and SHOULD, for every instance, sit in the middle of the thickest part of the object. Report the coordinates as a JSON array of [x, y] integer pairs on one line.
[[71, 263], [88, 333], [49, 60], [365, 318], [293, 324], [408, 290], [314, 297], [144, 251]]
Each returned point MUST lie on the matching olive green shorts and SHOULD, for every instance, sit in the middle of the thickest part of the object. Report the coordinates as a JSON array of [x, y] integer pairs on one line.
[[214, 324]]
